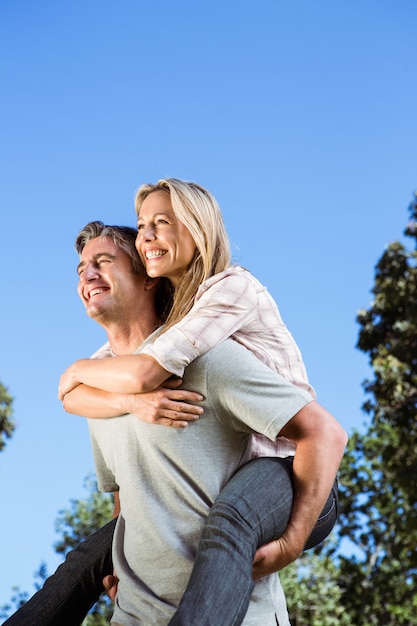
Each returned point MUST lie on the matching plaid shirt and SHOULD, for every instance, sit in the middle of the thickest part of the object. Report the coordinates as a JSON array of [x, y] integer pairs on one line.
[[234, 304]]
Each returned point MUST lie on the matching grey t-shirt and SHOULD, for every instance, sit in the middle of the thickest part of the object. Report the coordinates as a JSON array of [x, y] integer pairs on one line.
[[168, 478]]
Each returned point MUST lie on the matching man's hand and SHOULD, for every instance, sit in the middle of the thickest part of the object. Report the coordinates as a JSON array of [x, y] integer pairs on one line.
[[166, 406], [110, 585], [274, 556]]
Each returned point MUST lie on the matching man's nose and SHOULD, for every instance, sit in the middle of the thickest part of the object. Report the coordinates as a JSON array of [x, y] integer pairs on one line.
[[90, 272]]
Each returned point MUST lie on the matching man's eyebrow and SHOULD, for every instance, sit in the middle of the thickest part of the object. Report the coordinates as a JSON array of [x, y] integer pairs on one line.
[[96, 257]]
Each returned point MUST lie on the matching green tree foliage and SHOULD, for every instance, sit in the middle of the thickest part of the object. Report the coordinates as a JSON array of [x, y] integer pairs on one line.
[[6, 411], [83, 517], [74, 525], [379, 471], [19, 597], [312, 591]]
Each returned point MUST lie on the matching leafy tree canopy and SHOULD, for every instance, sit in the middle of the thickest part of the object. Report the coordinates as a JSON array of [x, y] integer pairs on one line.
[[78, 522], [6, 411], [75, 524], [379, 470]]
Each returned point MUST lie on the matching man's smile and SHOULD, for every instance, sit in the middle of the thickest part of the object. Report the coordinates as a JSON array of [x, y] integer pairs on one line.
[[96, 291]]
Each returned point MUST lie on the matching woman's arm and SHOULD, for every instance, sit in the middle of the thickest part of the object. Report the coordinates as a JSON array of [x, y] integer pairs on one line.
[[133, 373], [230, 296], [164, 406]]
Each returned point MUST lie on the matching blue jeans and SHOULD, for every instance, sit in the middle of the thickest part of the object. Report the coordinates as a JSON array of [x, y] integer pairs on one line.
[[69, 594], [252, 509]]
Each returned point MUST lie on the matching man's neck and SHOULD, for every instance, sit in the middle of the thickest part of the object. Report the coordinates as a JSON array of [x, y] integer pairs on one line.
[[126, 338]]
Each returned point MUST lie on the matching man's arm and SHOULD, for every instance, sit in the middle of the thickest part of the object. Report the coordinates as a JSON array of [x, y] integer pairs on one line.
[[110, 582], [116, 504], [166, 406], [320, 442]]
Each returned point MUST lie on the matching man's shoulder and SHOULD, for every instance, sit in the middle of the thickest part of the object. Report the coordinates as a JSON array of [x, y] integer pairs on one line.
[[231, 364], [224, 361], [227, 347], [103, 352], [229, 356]]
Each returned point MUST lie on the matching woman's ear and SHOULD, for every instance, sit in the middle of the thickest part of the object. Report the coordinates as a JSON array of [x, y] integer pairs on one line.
[[150, 283]]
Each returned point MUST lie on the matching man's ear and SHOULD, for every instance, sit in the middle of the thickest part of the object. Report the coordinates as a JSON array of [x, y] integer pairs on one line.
[[150, 283]]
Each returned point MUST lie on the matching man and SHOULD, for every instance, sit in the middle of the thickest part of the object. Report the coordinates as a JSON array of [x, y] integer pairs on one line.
[[168, 478], [77, 584]]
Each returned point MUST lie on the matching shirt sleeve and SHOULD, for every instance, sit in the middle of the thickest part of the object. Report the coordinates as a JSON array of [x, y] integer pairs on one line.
[[248, 395], [106, 480], [221, 308]]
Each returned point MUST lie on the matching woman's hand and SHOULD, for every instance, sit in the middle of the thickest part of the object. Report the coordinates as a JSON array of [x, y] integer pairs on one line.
[[68, 381], [166, 405]]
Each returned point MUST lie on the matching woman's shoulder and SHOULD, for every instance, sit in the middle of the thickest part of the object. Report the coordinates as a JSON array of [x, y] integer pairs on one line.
[[232, 273]]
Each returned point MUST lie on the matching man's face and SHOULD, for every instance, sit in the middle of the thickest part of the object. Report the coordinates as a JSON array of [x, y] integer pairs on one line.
[[107, 285]]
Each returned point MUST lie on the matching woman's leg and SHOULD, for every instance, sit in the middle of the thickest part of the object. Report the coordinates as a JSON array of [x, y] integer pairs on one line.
[[69, 594], [253, 509]]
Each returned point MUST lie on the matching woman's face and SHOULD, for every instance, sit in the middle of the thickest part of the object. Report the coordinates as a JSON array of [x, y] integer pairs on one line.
[[163, 242]]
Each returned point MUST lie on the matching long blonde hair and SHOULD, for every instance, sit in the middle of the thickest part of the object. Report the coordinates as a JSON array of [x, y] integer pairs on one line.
[[199, 211]]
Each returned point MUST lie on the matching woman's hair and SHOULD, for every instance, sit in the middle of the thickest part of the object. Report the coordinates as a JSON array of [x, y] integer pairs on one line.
[[124, 237], [199, 211]]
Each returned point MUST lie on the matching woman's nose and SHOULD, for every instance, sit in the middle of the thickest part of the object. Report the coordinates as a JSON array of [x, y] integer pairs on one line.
[[147, 232]]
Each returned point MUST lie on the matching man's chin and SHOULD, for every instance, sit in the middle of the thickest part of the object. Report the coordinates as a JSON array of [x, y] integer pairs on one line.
[[93, 312]]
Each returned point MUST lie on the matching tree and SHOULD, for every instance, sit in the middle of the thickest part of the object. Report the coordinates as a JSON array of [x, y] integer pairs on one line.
[[75, 524], [312, 590], [379, 470], [6, 411], [19, 597]]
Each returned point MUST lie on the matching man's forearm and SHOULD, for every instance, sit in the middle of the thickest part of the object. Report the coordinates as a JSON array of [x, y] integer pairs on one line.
[[321, 442], [313, 481]]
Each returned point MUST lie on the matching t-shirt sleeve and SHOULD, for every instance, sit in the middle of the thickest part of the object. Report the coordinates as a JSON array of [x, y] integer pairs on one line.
[[248, 395], [222, 309], [106, 481]]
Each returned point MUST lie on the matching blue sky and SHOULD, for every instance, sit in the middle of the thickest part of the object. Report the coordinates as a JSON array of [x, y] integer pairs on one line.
[[299, 117]]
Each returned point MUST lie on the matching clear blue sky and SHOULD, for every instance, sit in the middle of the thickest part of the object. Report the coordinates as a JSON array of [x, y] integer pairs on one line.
[[299, 116]]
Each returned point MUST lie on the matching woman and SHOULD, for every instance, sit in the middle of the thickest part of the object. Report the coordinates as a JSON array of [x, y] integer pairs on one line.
[[181, 236]]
